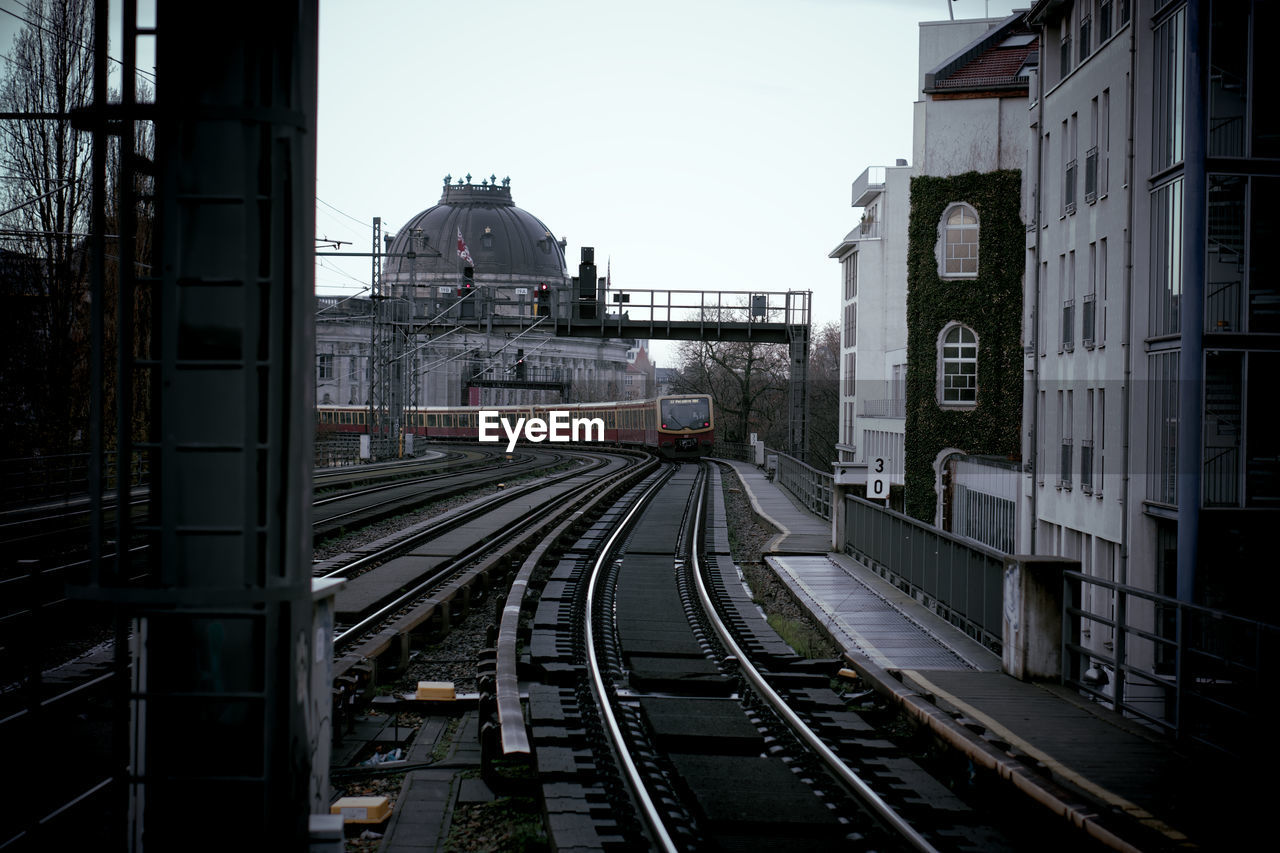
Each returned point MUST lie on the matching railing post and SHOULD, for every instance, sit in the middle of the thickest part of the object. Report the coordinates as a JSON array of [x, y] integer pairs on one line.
[[1179, 671]]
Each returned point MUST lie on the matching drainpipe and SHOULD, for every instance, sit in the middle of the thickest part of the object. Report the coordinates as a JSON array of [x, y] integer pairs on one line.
[[1033, 406], [1126, 337]]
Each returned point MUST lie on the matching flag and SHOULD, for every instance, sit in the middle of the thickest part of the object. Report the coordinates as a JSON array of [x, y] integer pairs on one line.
[[462, 249]]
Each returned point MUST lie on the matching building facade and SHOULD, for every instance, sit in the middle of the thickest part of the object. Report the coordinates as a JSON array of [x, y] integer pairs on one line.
[[964, 281], [1151, 320], [873, 332], [474, 330]]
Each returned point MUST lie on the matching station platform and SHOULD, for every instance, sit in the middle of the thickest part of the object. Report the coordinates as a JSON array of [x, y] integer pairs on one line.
[[1123, 783]]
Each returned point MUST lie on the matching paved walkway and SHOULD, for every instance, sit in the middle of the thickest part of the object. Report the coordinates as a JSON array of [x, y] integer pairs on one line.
[[1122, 782]]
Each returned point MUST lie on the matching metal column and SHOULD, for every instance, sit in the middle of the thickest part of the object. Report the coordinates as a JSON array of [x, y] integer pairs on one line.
[[798, 393], [384, 396], [223, 644]]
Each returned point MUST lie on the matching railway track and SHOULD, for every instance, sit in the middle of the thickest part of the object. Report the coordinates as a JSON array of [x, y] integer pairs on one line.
[[35, 575], [428, 572], [60, 716], [664, 713]]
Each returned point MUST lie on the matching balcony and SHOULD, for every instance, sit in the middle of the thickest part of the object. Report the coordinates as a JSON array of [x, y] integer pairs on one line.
[[891, 408], [868, 185]]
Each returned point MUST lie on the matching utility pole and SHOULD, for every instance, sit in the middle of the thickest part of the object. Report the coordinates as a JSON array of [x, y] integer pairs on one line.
[[385, 344]]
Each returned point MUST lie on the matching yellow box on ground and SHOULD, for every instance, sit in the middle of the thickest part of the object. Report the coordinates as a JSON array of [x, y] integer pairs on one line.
[[435, 691], [362, 809]]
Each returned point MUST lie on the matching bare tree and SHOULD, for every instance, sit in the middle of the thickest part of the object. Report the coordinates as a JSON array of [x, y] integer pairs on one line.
[[824, 396], [130, 188], [747, 382], [45, 200]]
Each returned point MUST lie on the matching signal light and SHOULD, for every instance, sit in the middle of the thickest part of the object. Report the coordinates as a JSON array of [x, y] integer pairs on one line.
[[543, 294]]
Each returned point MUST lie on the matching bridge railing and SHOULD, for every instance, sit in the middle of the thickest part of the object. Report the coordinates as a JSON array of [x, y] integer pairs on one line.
[[704, 312], [959, 579], [809, 485], [1200, 674], [61, 477]]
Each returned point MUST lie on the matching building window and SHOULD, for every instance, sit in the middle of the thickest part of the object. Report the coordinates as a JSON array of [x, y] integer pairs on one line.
[[1100, 323], [1261, 439], [1064, 410], [1087, 303], [1086, 26], [1069, 170], [1042, 461], [324, 367], [958, 366], [1166, 259], [1223, 427], [1064, 56], [1104, 141], [1228, 79], [1104, 21], [1162, 425], [1091, 175], [1262, 286], [1101, 432], [1226, 254], [958, 242], [1169, 95], [851, 276], [1086, 446]]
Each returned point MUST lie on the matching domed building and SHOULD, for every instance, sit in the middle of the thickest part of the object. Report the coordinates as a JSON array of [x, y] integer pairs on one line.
[[472, 330]]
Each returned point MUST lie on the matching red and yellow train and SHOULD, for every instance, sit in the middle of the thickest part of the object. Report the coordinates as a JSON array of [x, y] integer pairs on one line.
[[678, 426]]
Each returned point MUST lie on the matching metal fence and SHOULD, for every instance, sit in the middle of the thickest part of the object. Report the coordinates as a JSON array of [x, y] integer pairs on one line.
[[1200, 674], [734, 450], [958, 579], [62, 477], [337, 450], [810, 486]]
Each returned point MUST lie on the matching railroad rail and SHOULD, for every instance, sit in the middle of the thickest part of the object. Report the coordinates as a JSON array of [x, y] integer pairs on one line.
[[719, 736]]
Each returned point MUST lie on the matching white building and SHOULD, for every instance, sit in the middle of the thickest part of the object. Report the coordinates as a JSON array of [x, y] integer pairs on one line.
[[873, 334]]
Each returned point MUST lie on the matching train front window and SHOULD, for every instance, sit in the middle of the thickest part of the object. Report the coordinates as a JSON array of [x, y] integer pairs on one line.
[[686, 413]]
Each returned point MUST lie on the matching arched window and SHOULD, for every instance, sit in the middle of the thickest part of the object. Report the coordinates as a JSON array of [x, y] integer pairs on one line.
[[958, 242], [957, 366]]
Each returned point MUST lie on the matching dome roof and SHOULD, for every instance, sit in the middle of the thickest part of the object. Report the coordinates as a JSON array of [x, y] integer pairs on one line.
[[503, 239]]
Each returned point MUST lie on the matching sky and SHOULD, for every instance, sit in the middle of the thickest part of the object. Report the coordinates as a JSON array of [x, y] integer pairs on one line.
[[696, 145], [703, 144]]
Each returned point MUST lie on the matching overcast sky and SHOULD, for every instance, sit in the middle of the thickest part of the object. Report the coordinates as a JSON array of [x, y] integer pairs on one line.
[[701, 144], [694, 144]]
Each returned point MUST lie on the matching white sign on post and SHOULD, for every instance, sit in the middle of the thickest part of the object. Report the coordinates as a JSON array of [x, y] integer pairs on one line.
[[877, 479]]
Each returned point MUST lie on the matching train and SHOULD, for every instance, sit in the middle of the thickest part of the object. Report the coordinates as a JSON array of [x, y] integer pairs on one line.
[[678, 426]]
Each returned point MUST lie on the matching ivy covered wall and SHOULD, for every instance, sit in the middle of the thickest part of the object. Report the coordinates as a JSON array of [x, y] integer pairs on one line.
[[991, 305]]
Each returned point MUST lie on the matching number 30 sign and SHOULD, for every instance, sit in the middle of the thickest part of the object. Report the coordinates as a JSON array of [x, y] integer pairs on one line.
[[878, 479]]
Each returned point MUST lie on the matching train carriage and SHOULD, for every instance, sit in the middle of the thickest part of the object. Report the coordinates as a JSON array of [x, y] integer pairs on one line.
[[677, 426], [684, 425]]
